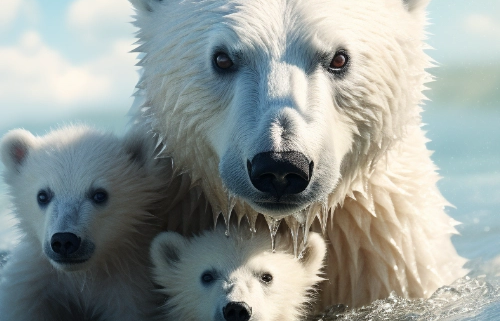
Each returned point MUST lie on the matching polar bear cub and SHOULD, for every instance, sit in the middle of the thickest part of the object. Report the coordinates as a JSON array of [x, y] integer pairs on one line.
[[220, 278], [83, 199]]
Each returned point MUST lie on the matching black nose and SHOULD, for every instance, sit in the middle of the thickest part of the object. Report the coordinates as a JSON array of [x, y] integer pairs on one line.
[[65, 243], [280, 173], [237, 311]]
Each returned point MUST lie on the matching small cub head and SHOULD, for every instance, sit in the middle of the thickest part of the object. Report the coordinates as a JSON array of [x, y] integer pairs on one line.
[[214, 277], [76, 192]]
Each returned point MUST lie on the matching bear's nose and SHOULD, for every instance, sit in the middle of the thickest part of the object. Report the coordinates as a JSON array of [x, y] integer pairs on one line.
[[280, 173], [237, 311], [65, 243]]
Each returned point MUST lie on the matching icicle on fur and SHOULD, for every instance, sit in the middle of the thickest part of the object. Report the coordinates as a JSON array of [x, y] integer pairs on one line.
[[274, 224]]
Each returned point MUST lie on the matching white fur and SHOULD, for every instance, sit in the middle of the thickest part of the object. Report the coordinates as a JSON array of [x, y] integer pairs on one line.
[[373, 190], [237, 264], [71, 163]]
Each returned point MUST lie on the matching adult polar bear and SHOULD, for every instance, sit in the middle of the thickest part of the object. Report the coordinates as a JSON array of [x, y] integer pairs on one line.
[[309, 110]]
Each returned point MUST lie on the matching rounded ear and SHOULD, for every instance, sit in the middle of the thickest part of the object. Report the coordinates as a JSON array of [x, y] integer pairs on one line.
[[415, 5], [137, 147], [166, 250], [314, 253], [15, 147], [145, 5]]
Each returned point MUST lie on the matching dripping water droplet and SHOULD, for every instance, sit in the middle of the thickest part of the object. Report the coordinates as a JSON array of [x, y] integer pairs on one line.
[[324, 217], [216, 212], [274, 224], [252, 219], [294, 227]]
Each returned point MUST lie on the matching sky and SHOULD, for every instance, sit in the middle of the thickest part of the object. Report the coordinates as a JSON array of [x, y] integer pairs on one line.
[[61, 58]]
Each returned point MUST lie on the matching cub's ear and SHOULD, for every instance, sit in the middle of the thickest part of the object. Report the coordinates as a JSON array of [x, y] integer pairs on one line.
[[165, 253], [415, 5], [147, 5], [140, 145], [15, 147], [314, 253]]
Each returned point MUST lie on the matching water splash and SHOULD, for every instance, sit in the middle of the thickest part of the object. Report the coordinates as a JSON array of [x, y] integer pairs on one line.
[[274, 224], [466, 299]]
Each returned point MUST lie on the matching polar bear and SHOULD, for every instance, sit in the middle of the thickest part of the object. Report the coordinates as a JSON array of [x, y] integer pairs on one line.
[[84, 200], [235, 278], [306, 111]]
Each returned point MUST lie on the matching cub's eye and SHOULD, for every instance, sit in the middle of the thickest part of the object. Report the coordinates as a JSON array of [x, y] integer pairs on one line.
[[266, 278], [43, 197], [207, 277], [339, 61], [100, 196], [222, 60]]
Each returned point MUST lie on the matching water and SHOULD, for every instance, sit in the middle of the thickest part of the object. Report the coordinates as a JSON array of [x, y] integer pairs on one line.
[[467, 145]]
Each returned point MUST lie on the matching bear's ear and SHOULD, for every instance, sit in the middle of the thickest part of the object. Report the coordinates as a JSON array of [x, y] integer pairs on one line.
[[146, 5], [166, 250], [15, 147], [313, 255], [139, 144], [136, 148], [415, 5]]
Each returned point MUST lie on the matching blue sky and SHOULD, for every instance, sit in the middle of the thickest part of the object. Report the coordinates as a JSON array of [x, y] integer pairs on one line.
[[58, 58]]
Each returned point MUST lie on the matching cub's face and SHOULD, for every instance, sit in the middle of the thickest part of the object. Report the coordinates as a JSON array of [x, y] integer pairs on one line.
[[213, 277], [284, 102], [70, 192]]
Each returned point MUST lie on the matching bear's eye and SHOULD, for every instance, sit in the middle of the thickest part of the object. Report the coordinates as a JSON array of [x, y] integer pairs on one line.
[[222, 60], [44, 197], [266, 278], [100, 196], [207, 277], [339, 62]]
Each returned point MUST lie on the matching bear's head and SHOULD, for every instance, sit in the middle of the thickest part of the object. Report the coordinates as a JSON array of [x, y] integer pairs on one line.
[[77, 192], [280, 104], [220, 278]]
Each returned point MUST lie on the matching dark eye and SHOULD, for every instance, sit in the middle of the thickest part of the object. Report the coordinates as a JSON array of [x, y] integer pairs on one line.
[[207, 277], [222, 60], [266, 278], [43, 197], [339, 61], [100, 196]]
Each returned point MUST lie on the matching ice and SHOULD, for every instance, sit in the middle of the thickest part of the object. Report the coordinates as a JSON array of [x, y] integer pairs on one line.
[[324, 216], [216, 212], [274, 224], [231, 201], [252, 218], [294, 226]]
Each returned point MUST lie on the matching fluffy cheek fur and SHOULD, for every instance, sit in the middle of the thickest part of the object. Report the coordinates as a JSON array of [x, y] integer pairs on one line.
[[80, 161]]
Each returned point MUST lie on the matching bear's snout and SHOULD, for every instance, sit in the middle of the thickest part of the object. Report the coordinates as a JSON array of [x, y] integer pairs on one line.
[[65, 244], [280, 173], [237, 311]]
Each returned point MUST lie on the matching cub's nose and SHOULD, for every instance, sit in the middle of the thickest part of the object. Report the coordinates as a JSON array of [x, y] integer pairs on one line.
[[280, 173], [237, 311], [64, 243]]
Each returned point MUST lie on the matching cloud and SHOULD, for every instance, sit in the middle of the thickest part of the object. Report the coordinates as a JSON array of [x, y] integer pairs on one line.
[[482, 25], [99, 21], [12, 9], [9, 12], [35, 78]]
